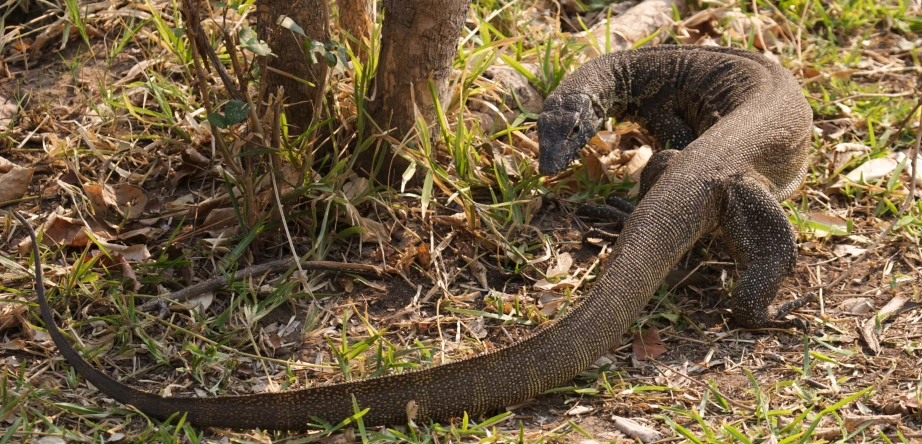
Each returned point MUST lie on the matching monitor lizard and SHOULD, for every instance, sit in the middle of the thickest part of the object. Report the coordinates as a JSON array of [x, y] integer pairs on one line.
[[737, 126]]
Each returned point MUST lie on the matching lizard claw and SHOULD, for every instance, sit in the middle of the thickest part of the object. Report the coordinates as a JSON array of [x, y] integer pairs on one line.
[[788, 307]]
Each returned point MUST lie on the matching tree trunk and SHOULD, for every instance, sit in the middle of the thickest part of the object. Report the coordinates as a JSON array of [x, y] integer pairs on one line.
[[290, 57], [356, 17], [419, 40]]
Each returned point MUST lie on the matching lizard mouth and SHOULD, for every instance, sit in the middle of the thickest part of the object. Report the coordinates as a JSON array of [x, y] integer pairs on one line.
[[550, 165]]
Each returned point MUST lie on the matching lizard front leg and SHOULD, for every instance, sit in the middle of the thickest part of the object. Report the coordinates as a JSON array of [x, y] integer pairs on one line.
[[617, 210]]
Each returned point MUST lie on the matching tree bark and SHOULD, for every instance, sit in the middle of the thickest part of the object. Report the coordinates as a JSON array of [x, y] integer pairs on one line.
[[419, 40], [290, 57], [356, 17]]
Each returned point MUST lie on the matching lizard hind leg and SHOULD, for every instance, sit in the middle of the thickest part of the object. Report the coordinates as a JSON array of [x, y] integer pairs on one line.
[[761, 240]]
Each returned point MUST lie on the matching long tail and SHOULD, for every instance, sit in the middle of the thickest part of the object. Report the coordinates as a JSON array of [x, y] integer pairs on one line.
[[485, 382]]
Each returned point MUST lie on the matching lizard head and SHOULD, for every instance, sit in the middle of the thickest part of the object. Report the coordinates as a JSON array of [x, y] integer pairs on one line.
[[565, 125]]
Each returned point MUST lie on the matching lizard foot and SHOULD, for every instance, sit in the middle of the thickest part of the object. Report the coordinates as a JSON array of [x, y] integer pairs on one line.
[[596, 233], [615, 212], [786, 308], [605, 213]]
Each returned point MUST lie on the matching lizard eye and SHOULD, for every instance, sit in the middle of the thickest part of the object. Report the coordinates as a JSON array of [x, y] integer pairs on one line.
[[575, 130]]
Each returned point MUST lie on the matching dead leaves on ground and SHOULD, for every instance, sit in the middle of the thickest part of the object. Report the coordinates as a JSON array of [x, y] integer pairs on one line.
[[647, 345], [14, 180]]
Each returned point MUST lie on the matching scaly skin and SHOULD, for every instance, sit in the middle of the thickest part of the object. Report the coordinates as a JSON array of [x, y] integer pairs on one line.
[[743, 124]]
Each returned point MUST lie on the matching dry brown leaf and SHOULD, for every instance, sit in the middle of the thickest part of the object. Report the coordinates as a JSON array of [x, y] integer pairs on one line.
[[635, 430], [903, 405], [219, 218], [562, 267], [116, 260], [125, 199], [14, 180], [869, 329], [65, 231], [200, 302], [374, 231], [857, 305], [191, 156], [558, 275], [15, 344], [868, 171], [595, 168], [354, 187], [134, 253], [828, 220], [844, 152], [810, 71], [579, 410], [843, 250], [12, 315], [8, 109], [638, 161], [550, 303], [423, 257], [648, 345], [852, 422], [477, 328]]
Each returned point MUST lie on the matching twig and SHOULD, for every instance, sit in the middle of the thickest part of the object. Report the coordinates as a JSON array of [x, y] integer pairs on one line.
[[219, 282]]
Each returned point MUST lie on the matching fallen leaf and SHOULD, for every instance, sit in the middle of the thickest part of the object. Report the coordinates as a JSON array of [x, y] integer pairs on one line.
[[595, 168], [134, 253], [868, 171], [648, 345], [199, 303], [556, 284], [65, 231], [115, 260], [900, 155], [869, 329], [639, 160], [15, 344], [477, 328], [374, 231], [579, 410], [130, 200], [14, 180], [562, 267], [219, 218], [355, 187], [825, 224], [125, 199], [8, 109], [635, 430], [844, 152], [550, 303], [843, 250], [857, 305], [852, 422], [191, 156], [811, 72]]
